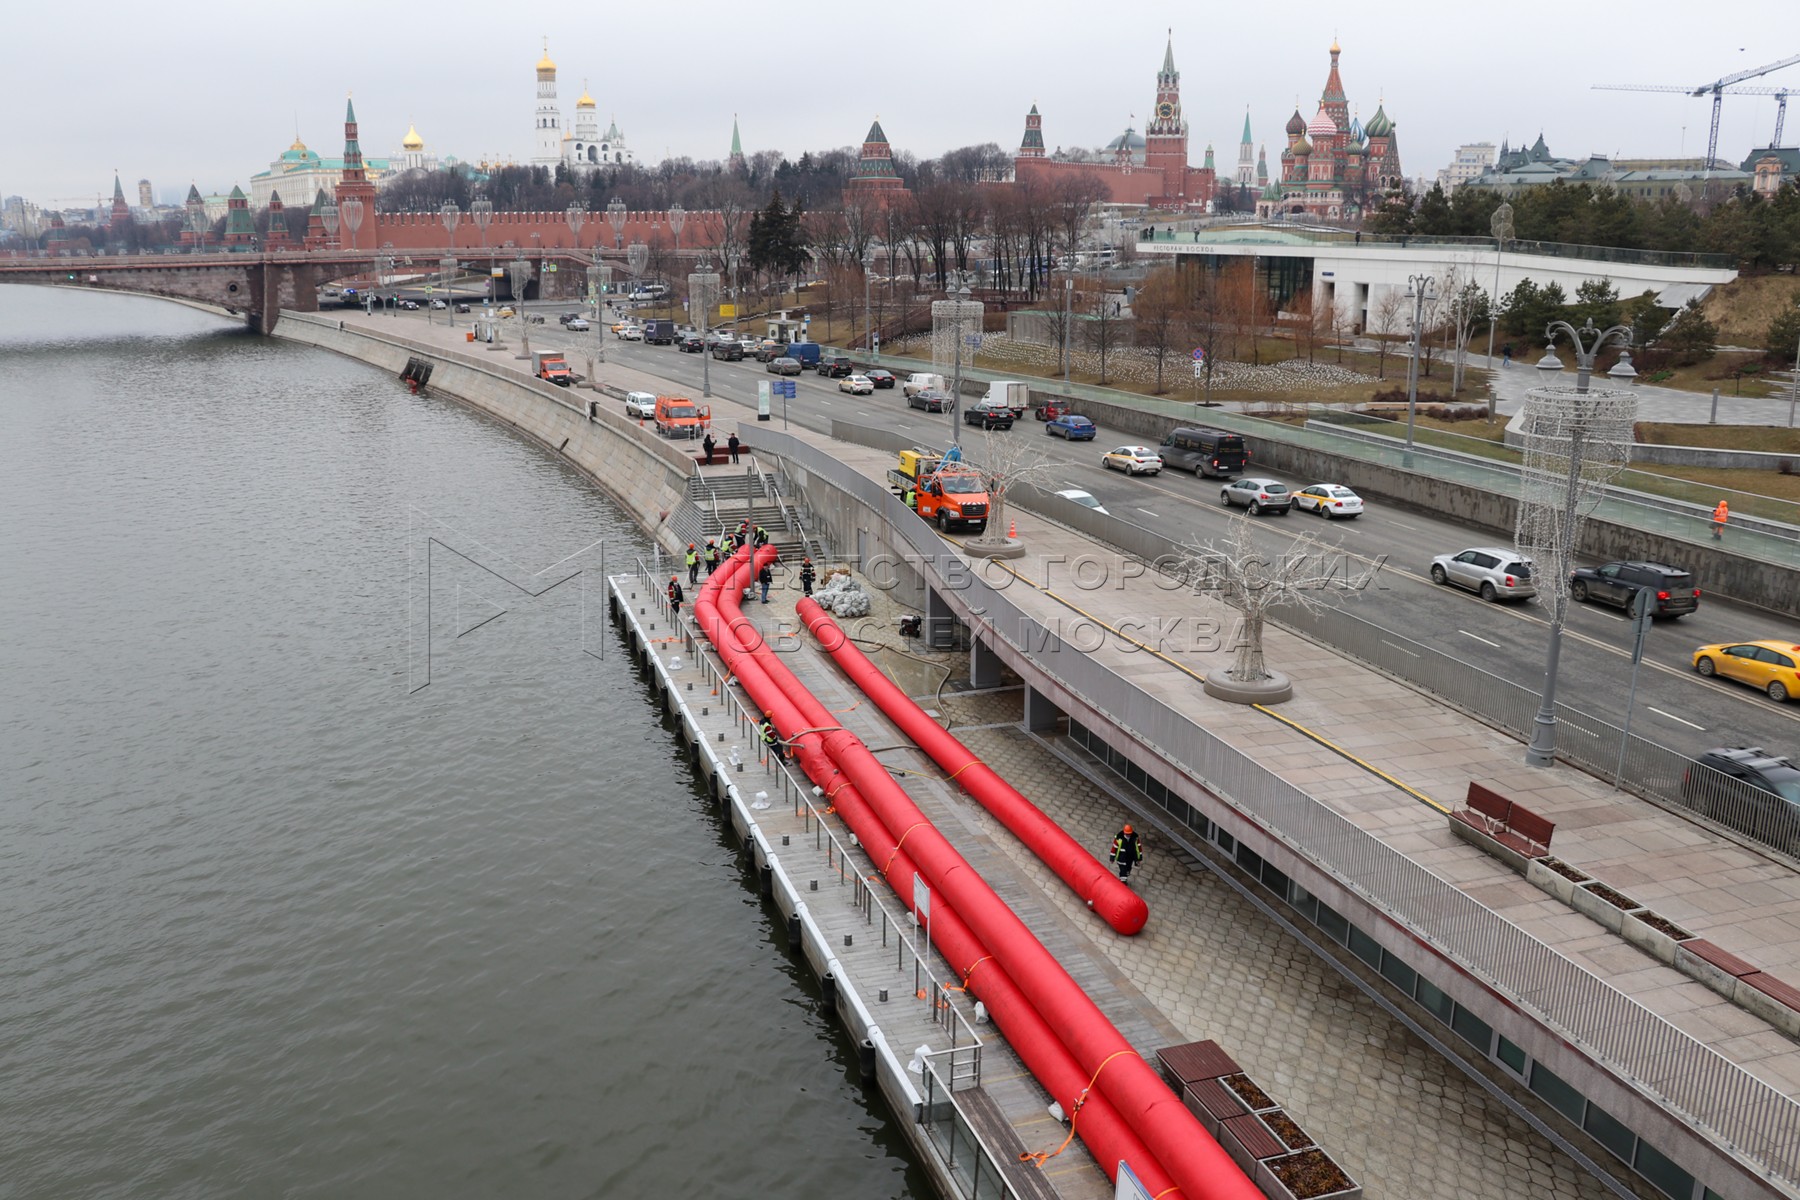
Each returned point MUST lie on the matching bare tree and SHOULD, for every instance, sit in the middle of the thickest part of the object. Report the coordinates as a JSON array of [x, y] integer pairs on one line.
[[1387, 315], [1467, 310], [1235, 571], [1343, 325], [1162, 307], [1007, 461], [1305, 327], [1104, 329]]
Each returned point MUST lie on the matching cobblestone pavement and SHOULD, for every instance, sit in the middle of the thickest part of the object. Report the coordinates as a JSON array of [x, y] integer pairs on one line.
[[1401, 1119]]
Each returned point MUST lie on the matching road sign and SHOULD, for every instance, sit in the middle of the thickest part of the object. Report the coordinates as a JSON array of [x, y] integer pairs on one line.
[[428, 289], [786, 388], [550, 268], [1199, 370], [498, 272], [727, 312], [1643, 606], [1199, 353]]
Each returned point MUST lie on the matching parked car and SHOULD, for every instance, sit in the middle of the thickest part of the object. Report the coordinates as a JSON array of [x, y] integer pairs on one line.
[[929, 400], [1620, 582], [1257, 496], [1085, 499], [1072, 426], [989, 414], [1133, 460], [836, 366], [577, 325], [728, 350], [783, 366], [881, 378], [1747, 789], [691, 344], [1768, 665], [1496, 572], [856, 385], [640, 404], [1329, 500]]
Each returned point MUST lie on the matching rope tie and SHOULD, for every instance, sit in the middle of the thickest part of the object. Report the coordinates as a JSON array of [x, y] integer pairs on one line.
[[1173, 1187], [1039, 1157], [973, 762], [894, 853], [968, 974]]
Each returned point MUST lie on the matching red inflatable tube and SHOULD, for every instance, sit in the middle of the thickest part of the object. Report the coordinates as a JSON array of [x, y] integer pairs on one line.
[[1193, 1158], [1108, 896], [1108, 1137]]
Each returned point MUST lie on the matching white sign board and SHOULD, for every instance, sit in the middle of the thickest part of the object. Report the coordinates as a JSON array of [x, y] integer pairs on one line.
[[762, 399], [1126, 1185], [921, 896]]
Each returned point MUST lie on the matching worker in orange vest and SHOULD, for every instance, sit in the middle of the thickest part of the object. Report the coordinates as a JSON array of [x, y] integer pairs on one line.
[[1721, 514]]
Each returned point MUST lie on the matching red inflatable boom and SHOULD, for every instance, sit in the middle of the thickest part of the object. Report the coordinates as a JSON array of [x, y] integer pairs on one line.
[[1108, 896]]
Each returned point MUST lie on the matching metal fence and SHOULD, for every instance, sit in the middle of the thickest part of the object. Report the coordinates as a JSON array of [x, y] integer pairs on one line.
[[1669, 1066], [971, 1161]]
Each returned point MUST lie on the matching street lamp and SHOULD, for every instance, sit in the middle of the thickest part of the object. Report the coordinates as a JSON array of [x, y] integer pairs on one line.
[[576, 216], [615, 216], [868, 263], [197, 218], [1591, 430], [703, 289], [328, 216], [352, 212], [1502, 227], [678, 218], [450, 214], [1419, 289], [482, 213], [1068, 329]]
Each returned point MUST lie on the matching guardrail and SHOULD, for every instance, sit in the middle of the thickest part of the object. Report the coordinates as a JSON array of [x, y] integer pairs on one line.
[[1638, 1047], [971, 1161], [1300, 235]]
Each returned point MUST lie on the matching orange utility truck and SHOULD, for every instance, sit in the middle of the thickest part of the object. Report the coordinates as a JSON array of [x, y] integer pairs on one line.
[[946, 492]]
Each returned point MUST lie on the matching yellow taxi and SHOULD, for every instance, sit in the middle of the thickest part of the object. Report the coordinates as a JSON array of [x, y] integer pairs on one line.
[[507, 312], [1771, 666]]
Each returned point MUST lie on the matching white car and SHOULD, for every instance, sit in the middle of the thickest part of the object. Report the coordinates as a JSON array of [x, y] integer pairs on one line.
[[1085, 499], [631, 333], [439, 304], [577, 325], [1133, 460], [640, 404], [857, 385], [1329, 500]]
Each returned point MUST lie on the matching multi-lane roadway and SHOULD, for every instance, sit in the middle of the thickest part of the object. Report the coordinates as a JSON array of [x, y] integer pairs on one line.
[[1674, 705]]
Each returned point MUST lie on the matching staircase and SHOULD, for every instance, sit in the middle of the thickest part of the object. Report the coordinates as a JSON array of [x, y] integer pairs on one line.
[[716, 502]]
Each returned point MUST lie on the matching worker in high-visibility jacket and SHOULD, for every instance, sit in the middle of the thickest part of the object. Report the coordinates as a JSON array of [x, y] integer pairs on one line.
[[693, 565], [1127, 852]]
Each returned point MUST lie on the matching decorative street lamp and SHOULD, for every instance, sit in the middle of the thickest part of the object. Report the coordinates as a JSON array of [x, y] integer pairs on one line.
[[1502, 227], [197, 218], [599, 276], [1419, 289], [868, 265], [352, 212], [482, 213], [1068, 329], [615, 216], [450, 214], [576, 215], [1575, 440], [637, 257], [328, 216], [703, 293], [678, 218]]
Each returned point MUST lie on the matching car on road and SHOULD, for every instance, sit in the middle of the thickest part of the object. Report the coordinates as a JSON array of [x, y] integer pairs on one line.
[[440, 304], [409, 305], [1768, 666], [1747, 789], [856, 385], [989, 414], [1619, 583], [728, 350], [768, 350], [693, 343], [929, 400], [631, 333], [836, 366], [640, 404], [1072, 426], [1329, 500], [783, 366], [1257, 496], [1085, 499], [881, 378], [1133, 460], [461, 307], [567, 317], [577, 325], [507, 313], [1496, 572]]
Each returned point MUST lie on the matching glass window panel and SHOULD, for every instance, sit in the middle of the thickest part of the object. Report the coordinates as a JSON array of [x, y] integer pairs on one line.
[[1398, 973], [1512, 1055], [1365, 947], [1472, 1029], [1435, 1001], [1610, 1132], [1333, 923], [1664, 1174], [1561, 1095]]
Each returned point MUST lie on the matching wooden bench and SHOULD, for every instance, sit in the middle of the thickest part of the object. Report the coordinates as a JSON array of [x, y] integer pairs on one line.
[[1510, 832]]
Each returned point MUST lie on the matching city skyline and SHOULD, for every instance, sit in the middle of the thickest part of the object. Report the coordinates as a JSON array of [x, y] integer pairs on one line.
[[467, 84]]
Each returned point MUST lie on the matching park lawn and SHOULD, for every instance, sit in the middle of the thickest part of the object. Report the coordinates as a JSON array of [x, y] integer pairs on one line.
[[1775, 495], [1766, 439], [1717, 372]]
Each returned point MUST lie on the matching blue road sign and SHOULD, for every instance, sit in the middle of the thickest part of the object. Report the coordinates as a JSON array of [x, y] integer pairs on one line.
[[785, 388]]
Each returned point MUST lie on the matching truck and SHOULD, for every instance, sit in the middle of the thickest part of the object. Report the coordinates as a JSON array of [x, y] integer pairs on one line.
[[1012, 393], [989, 413], [804, 353], [923, 381], [549, 364], [678, 417], [945, 491], [658, 332]]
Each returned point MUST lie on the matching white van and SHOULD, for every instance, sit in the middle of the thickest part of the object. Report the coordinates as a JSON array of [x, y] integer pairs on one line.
[[924, 381], [640, 404]]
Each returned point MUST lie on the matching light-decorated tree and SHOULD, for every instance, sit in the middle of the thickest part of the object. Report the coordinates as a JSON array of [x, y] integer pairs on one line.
[[1005, 461]]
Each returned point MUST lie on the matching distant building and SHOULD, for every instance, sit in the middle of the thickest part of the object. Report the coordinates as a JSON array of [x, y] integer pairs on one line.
[[1771, 167], [146, 196], [1686, 180], [582, 147], [1472, 160], [302, 172], [1334, 167], [875, 175]]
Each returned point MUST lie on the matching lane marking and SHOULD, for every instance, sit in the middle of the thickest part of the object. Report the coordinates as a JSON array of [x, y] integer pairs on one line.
[[1404, 525], [1659, 712], [1146, 512], [1479, 638]]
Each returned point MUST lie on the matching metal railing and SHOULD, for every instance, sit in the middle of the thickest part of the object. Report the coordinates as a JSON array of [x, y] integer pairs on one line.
[[972, 1163], [1302, 235], [1644, 1051]]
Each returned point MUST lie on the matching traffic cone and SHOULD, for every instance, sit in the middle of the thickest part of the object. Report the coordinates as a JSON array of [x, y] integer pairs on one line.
[[1012, 529]]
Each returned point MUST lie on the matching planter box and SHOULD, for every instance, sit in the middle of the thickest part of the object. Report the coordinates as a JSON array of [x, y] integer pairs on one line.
[[1547, 880], [1603, 912], [1212, 1102], [1654, 942], [1264, 1178]]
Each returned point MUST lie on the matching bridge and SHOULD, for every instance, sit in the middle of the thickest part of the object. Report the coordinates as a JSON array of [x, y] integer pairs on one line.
[[257, 285]]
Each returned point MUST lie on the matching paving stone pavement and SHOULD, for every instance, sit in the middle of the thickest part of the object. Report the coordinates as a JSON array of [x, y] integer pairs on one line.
[[1401, 1119]]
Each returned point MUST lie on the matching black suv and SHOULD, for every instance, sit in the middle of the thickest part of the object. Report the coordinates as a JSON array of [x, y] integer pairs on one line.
[[692, 344], [729, 351], [1749, 790], [834, 366], [1617, 582], [769, 351]]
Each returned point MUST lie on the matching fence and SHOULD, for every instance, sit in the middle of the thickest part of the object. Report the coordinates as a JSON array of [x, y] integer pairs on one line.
[[1642, 1050]]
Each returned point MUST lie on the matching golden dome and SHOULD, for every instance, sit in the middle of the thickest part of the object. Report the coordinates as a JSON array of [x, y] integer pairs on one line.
[[298, 145], [1334, 47], [544, 63], [586, 100], [412, 140]]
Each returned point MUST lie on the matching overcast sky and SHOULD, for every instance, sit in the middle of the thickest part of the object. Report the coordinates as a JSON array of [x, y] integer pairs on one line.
[[212, 94]]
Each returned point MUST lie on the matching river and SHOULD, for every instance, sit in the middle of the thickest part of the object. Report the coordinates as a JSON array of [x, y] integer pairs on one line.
[[290, 908]]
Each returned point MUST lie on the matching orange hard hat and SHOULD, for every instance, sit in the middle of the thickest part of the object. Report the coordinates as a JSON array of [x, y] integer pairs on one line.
[[1128, 829]]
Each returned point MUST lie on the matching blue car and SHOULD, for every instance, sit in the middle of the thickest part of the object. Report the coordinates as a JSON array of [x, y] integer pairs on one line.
[[1072, 426]]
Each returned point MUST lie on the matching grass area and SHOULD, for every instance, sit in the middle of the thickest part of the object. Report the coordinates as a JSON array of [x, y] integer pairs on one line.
[[1743, 308], [1719, 372], [1768, 439], [1765, 493]]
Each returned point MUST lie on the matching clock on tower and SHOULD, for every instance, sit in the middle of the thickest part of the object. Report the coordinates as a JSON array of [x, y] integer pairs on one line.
[[1165, 110]]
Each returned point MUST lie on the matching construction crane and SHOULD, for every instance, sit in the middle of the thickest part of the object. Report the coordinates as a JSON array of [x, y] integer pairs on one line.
[[1718, 89]]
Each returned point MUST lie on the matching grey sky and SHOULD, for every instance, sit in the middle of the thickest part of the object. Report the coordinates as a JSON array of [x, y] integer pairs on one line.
[[213, 100]]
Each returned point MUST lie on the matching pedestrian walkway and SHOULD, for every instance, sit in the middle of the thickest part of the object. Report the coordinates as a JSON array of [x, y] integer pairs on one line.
[[1655, 404]]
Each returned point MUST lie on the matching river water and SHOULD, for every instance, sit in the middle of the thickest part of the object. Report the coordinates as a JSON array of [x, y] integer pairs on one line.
[[304, 893]]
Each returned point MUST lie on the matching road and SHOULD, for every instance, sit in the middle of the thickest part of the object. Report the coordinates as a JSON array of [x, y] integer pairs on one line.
[[1674, 706]]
